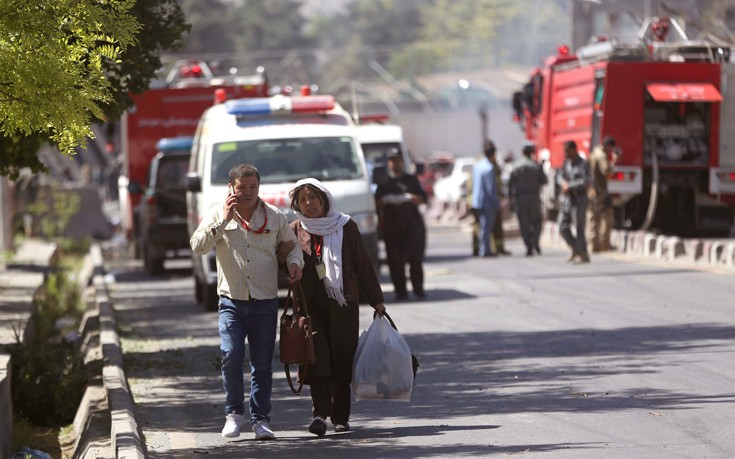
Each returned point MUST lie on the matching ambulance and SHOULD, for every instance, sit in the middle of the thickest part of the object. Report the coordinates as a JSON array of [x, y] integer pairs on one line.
[[287, 138]]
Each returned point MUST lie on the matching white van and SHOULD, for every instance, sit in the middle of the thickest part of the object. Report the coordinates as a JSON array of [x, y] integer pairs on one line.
[[287, 139], [378, 141]]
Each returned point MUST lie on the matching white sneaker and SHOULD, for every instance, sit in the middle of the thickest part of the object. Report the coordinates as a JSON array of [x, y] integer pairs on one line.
[[263, 431], [232, 425]]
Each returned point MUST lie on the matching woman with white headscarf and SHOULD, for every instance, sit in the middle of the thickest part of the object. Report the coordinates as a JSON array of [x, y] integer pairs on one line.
[[337, 267]]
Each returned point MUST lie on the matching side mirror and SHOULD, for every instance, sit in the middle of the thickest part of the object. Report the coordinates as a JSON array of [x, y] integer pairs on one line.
[[134, 187], [517, 105], [193, 182]]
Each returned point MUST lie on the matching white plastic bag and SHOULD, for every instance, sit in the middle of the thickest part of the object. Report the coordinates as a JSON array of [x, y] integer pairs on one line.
[[383, 368]]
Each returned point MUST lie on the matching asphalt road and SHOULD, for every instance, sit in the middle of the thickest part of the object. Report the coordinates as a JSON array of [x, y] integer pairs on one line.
[[528, 357]]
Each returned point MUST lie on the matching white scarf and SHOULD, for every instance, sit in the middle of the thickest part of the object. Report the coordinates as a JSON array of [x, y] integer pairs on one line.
[[330, 228]]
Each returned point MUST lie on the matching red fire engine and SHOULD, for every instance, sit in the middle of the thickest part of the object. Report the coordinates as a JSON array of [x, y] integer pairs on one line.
[[667, 101], [171, 111]]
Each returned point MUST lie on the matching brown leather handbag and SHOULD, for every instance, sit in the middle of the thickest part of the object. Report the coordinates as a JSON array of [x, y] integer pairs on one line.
[[296, 341]]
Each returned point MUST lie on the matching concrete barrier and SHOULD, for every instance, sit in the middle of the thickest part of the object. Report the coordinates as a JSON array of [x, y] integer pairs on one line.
[[694, 249], [730, 255], [6, 409], [125, 435], [649, 245], [716, 251]]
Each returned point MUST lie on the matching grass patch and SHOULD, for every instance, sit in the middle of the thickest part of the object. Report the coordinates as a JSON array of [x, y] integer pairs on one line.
[[49, 375]]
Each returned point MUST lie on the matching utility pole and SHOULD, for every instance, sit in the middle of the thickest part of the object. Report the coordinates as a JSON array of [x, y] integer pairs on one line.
[[6, 217]]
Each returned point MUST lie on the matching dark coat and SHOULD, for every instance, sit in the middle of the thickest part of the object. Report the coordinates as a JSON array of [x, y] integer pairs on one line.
[[356, 264], [336, 327]]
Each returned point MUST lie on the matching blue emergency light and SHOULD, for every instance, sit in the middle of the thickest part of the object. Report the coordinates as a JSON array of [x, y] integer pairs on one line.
[[175, 143]]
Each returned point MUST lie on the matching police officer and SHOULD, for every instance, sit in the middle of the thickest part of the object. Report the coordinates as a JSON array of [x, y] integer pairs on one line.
[[498, 234], [524, 187], [573, 180], [404, 231], [600, 213]]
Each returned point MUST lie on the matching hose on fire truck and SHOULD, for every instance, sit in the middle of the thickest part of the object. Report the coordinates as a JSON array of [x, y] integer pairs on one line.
[[653, 200]]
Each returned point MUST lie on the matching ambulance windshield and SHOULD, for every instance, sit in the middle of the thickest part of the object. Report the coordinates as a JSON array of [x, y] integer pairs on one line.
[[289, 160]]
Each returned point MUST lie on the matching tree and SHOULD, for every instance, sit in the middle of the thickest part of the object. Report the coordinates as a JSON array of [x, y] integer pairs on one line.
[[161, 27], [66, 63], [51, 65]]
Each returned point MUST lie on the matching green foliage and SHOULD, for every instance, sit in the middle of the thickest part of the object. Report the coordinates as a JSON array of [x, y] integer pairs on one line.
[[59, 298], [49, 375], [162, 24], [54, 211], [51, 74], [48, 382], [67, 63]]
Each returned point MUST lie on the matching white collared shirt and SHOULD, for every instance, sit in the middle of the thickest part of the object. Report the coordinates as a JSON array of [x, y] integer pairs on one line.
[[247, 267]]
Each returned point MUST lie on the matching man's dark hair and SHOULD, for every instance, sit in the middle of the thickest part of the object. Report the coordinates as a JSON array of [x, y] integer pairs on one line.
[[570, 144], [294, 196], [243, 170], [489, 148], [609, 141]]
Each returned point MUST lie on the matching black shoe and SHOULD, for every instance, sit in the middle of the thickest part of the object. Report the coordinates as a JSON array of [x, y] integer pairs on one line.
[[420, 295], [318, 427], [401, 297], [503, 252], [490, 255], [538, 250], [582, 258], [529, 253], [342, 427]]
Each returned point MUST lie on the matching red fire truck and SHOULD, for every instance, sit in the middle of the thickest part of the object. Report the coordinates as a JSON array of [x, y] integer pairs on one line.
[[171, 111], [669, 103]]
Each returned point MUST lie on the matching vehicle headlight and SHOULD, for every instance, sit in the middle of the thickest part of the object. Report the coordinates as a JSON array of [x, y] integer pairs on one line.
[[367, 222]]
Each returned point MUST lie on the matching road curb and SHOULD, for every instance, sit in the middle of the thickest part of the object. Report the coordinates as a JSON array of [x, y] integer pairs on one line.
[[124, 432], [644, 244]]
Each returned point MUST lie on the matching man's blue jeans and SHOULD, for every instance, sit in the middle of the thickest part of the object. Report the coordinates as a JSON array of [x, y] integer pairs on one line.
[[486, 220], [255, 320]]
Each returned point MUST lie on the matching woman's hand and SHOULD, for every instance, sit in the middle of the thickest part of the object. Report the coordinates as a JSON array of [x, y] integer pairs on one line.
[[380, 309], [294, 273]]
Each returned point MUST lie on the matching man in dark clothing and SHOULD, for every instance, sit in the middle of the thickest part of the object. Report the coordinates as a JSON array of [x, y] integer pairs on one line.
[[574, 180], [404, 232], [524, 186]]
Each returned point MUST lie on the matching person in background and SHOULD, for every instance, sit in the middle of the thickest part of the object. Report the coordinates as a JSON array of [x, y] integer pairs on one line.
[[337, 266], [485, 202], [574, 180], [600, 213], [246, 233], [404, 231], [524, 187], [498, 234]]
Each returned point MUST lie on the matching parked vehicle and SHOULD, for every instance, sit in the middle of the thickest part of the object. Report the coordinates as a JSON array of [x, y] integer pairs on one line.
[[167, 112], [160, 219], [432, 169], [665, 100], [378, 141], [452, 188]]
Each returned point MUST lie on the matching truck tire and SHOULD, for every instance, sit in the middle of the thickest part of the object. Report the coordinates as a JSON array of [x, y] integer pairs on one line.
[[206, 295], [153, 265], [198, 291], [211, 299]]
